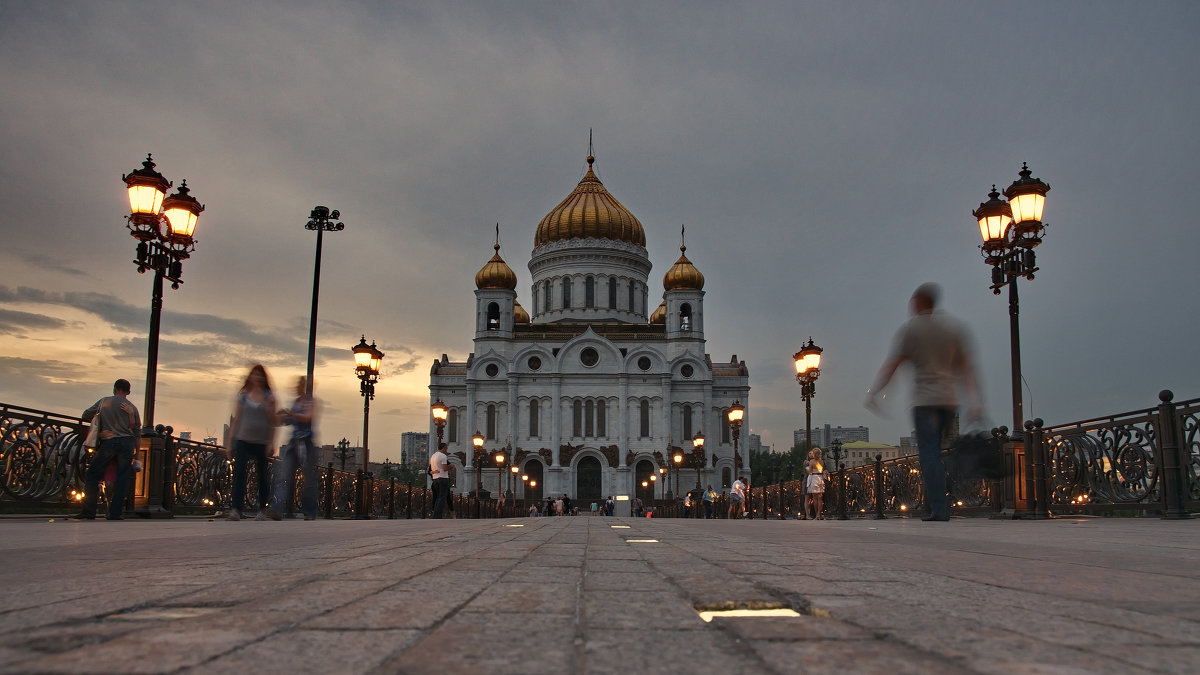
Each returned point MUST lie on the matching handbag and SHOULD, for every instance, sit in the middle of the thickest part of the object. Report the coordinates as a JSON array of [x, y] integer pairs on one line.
[[92, 440], [976, 455]]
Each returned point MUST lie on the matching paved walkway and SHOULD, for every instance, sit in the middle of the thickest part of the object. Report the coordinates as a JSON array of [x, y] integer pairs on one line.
[[600, 595]]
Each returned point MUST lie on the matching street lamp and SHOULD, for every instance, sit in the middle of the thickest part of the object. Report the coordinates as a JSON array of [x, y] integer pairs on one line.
[[440, 413], [343, 449], [499, 471], [163, 227], [322, 220], [477, 462], [513, 479], [698, 455], [367, 361], [676, 460], [1011, 230], [808, 369], [736, 413], [653, 483]]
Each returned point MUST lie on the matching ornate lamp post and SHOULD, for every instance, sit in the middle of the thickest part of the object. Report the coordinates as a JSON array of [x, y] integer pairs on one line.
[[736, 413], [499, 457], [698, 456], [808, 369], [322, 220], [1011, 230], [524, 489], [477, 462], [676, 460], [367, 361], [163, 227], [343, 449], [513, 479]]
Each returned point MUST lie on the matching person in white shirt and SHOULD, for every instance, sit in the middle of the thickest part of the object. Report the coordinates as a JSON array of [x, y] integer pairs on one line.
[[737, 499], [440, 473]]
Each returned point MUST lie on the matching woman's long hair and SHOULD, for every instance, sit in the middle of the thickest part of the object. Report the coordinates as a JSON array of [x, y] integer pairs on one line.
[[258, 367]]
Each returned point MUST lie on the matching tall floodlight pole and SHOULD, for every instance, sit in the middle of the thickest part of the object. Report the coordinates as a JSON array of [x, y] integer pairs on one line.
[[320, 219]]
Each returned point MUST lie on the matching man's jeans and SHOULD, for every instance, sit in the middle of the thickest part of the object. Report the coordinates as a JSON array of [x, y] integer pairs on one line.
[[441, 496], [285, 485], [119, 450], [931, 423]]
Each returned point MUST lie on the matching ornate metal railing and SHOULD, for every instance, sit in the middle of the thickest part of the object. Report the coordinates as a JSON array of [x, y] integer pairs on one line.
[[1145, 460]]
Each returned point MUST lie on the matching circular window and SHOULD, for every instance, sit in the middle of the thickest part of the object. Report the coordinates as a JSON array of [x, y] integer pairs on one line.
[[687, 370], [534, 363], [492, 369], [644, 363], [589, 357]]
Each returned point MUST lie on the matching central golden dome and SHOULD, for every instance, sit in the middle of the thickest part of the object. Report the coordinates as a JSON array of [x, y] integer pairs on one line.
[[590, 211]]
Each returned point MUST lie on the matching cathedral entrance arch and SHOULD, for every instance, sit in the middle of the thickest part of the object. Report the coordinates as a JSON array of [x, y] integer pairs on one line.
[[641, 474], [587, 480], [535, 485]]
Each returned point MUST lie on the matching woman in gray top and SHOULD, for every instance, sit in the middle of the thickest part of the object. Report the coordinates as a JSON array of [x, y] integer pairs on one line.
[[252, 437]]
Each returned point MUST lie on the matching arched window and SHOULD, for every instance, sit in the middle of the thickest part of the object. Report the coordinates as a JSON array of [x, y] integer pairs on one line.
[[612, 292], [631, 309], [452, 425], [566, 292], [685, 317], [577, 419], [645, 295], [601, 419], [493, 316], [491, 422], [535, 297], [589, 422], [687, 422], [725, 426], [589, 292], [725, 474], [534, 405], [546, 295], [644, 419]]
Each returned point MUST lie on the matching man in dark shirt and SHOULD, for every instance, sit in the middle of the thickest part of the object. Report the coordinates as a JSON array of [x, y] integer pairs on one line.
[[120, 429]]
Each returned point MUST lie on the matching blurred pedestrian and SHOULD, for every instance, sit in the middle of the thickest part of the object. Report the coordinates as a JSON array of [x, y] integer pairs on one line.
[[252, 438], [300, 452], [737, 500], [939, 348], [687, 505], [814, 485], [710, 497], [440, 475], [120, 428]]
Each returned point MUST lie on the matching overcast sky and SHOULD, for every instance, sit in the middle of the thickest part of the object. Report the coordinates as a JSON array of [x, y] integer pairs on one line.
[[825, 158]]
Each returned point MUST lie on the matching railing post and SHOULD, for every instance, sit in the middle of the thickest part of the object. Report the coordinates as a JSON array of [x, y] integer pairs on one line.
[[1041, 483], [329, 491], [408, 500], [423, 503], [842, 492], [879, 488], [1171, 464], [392, 499]]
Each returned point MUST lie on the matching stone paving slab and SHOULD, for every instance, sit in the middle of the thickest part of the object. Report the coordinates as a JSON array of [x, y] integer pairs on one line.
[[577, 595]]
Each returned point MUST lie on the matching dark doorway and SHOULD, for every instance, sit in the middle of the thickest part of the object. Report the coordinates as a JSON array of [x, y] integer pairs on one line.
[[534, 486], [641, 474], [587, 480]]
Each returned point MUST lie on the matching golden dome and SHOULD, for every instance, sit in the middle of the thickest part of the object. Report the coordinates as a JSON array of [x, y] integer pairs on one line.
[[659, 317], [519, 313], [683, 275], [496, 274], [590, 211]]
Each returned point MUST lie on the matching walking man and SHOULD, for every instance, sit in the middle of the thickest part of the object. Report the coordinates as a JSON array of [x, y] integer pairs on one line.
[[710, 496], [440, 473], [120, 429], [939, 348]]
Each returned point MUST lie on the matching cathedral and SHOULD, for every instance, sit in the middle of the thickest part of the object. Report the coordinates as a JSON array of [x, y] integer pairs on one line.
[[591, 391]]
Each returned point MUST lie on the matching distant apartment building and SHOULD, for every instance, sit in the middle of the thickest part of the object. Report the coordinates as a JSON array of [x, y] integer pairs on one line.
[[858, 453], [823, 436], [414, 447]]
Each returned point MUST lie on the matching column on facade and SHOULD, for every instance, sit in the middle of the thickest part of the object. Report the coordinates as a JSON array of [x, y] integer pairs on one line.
[[623, 419], [667, 433], [556, 415], [514, 423], [472, 427], [711, 431]]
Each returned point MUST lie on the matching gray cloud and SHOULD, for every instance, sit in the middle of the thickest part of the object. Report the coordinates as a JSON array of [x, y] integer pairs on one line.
[[824, 158]]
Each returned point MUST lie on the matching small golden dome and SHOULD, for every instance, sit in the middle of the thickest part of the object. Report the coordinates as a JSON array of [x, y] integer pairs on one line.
[[683, 275], [519, 314], [496, 274], [590, 211], [659, 317]]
